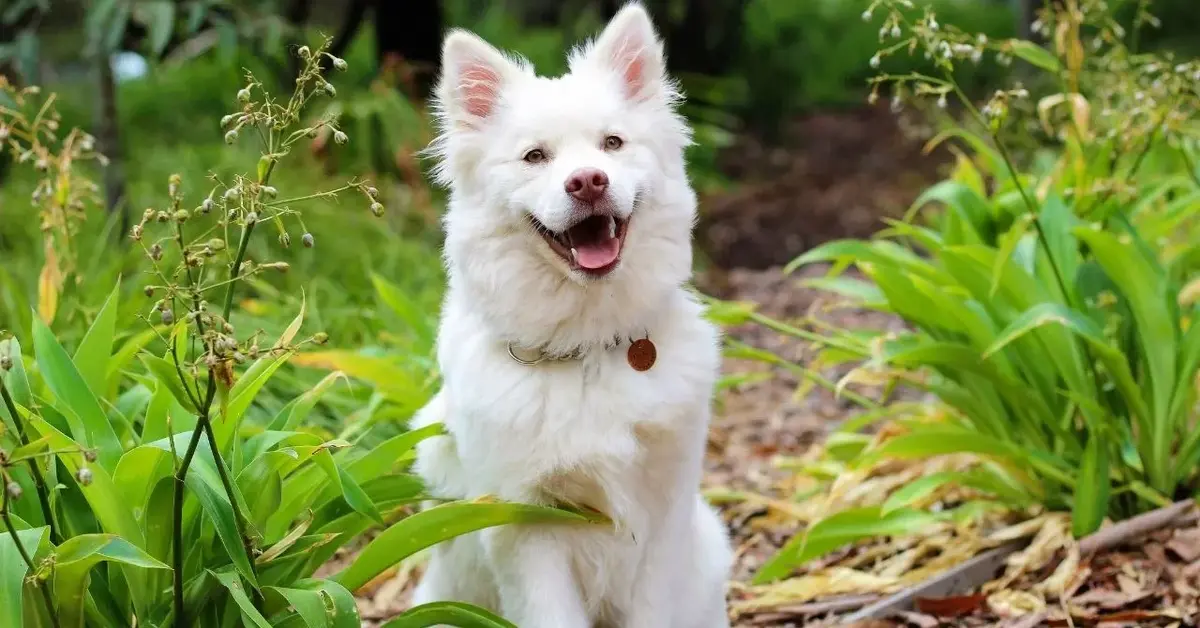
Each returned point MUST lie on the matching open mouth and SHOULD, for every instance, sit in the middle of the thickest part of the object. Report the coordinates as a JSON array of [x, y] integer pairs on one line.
[[592, 245]]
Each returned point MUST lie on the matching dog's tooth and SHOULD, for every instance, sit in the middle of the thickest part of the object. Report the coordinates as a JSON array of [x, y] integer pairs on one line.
[[574, 255], [612, 227]]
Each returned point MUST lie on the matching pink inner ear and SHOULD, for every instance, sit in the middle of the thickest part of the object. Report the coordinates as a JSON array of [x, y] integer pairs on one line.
[[479, 89], [634, 73]]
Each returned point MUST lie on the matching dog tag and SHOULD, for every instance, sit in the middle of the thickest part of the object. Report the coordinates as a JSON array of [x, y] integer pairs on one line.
[[642, 354]]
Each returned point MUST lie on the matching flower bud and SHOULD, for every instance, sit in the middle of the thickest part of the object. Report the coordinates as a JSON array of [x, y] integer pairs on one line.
[[232, 194], [148, 214], [282, 267], [168, 317], [161, 216], [226, 120], [182, 215], [206, 206], [243, 94], [14, 490], [136, 234], [216, 244], [6, 363], [251, 218], [320, 337], [340, 138], [304, 52], [156, 252], [285, 240], [84, 476], [269, 191], [372, 192], [377, 209], [329, 89], [308, 241], [231, 136], [89, 455], [148, 291]]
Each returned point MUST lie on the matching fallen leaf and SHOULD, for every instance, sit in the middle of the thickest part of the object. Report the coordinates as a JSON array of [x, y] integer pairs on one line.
[[953, 606], [1185, 544]]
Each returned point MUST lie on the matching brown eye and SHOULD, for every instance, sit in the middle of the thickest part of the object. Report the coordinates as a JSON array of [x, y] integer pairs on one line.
[[535, 156], [613, 142]]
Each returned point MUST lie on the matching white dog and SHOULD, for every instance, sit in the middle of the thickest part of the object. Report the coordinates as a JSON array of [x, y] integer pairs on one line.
[[577, 369]]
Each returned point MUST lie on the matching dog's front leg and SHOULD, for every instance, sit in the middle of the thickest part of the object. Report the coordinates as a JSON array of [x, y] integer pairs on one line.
[[655, 592], [536, 583]]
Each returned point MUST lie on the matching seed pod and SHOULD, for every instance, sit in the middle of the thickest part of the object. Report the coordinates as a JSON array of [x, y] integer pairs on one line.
[[206, 206], [329, 89], [232, 194], [269, 191], [340, 64], [226, 120], [304, 52], [377, 209], [216, 244], [239, 357], [14, 490], [84, 476], [340, 138], [243, 94], [182, 215], [161, 216], [173, 184], [89, 455], [156, 252], [148, 214], [149, 291], [320, 337], [285, 240], [168, 317], [231, 136], [251, 218], [308, 241], [6, 363], [372, 192], [136, 234]]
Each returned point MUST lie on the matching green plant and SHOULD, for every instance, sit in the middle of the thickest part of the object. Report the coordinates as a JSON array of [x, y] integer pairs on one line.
[[138, 489], [1050, 303]]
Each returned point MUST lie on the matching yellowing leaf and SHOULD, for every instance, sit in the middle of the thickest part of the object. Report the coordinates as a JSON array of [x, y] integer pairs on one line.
[[49, 284]]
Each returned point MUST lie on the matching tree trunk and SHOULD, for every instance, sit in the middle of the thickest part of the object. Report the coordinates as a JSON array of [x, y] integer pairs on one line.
[[108, 139]]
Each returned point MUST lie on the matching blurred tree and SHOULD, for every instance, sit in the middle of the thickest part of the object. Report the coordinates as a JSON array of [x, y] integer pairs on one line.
[[410, 32]]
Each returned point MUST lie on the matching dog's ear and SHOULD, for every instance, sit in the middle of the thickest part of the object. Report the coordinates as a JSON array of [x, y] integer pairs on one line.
[[630, 47], [473, 76]]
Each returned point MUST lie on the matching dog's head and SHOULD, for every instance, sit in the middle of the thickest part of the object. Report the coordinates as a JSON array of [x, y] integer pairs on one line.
[[578, 177]]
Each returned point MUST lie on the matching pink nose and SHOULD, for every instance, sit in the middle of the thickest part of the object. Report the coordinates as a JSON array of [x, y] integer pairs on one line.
[[587, 184]]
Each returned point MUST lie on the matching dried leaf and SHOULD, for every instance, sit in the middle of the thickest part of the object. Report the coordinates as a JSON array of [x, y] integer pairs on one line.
[[954, 606]]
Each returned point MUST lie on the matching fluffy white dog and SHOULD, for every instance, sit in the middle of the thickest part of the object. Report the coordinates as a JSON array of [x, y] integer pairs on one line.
[[577, 369]]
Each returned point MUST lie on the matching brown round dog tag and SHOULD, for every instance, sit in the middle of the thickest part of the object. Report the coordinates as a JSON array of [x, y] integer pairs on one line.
[[642, 354]]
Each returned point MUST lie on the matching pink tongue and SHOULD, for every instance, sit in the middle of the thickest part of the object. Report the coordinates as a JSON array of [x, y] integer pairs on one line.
[[593, 255]]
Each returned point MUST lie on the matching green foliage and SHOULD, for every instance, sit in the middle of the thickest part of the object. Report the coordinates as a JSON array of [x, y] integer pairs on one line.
[[1050, 307], [159, 465]]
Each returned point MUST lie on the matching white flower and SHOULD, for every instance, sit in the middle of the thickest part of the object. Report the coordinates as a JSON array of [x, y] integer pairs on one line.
[[875, 61]]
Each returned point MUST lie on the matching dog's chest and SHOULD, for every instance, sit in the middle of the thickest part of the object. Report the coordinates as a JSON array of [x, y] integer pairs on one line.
[[575, 429]]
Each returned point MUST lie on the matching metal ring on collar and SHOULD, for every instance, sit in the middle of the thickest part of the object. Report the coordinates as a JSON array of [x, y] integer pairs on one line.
[[513, 354]]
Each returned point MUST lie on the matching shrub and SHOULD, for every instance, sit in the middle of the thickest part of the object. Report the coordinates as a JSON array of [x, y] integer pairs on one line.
[[136, 489], [1050, 303]]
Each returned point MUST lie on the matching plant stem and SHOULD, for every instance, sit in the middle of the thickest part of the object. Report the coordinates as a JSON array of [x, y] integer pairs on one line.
[[203, 426], [38, 481], [12, 531]]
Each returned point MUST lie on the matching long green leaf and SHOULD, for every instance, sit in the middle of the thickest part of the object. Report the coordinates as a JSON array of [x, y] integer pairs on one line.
[[838, 530], [449, 614], [91, 358], [73, 564], [13, 570], [89, 424], [230, 581], [1094, 488], [430, 527]]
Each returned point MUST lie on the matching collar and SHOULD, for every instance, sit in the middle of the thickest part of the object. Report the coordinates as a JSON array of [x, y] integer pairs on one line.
[[528, 356]]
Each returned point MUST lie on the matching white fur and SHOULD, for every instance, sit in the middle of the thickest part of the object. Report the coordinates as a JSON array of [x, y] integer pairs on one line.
[[590, 431]]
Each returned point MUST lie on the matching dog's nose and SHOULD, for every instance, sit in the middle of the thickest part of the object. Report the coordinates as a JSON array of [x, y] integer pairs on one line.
[[587, 184]]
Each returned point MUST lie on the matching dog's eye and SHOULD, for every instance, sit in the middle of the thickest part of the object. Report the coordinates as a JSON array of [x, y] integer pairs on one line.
[[613, 142], [535, 156]]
